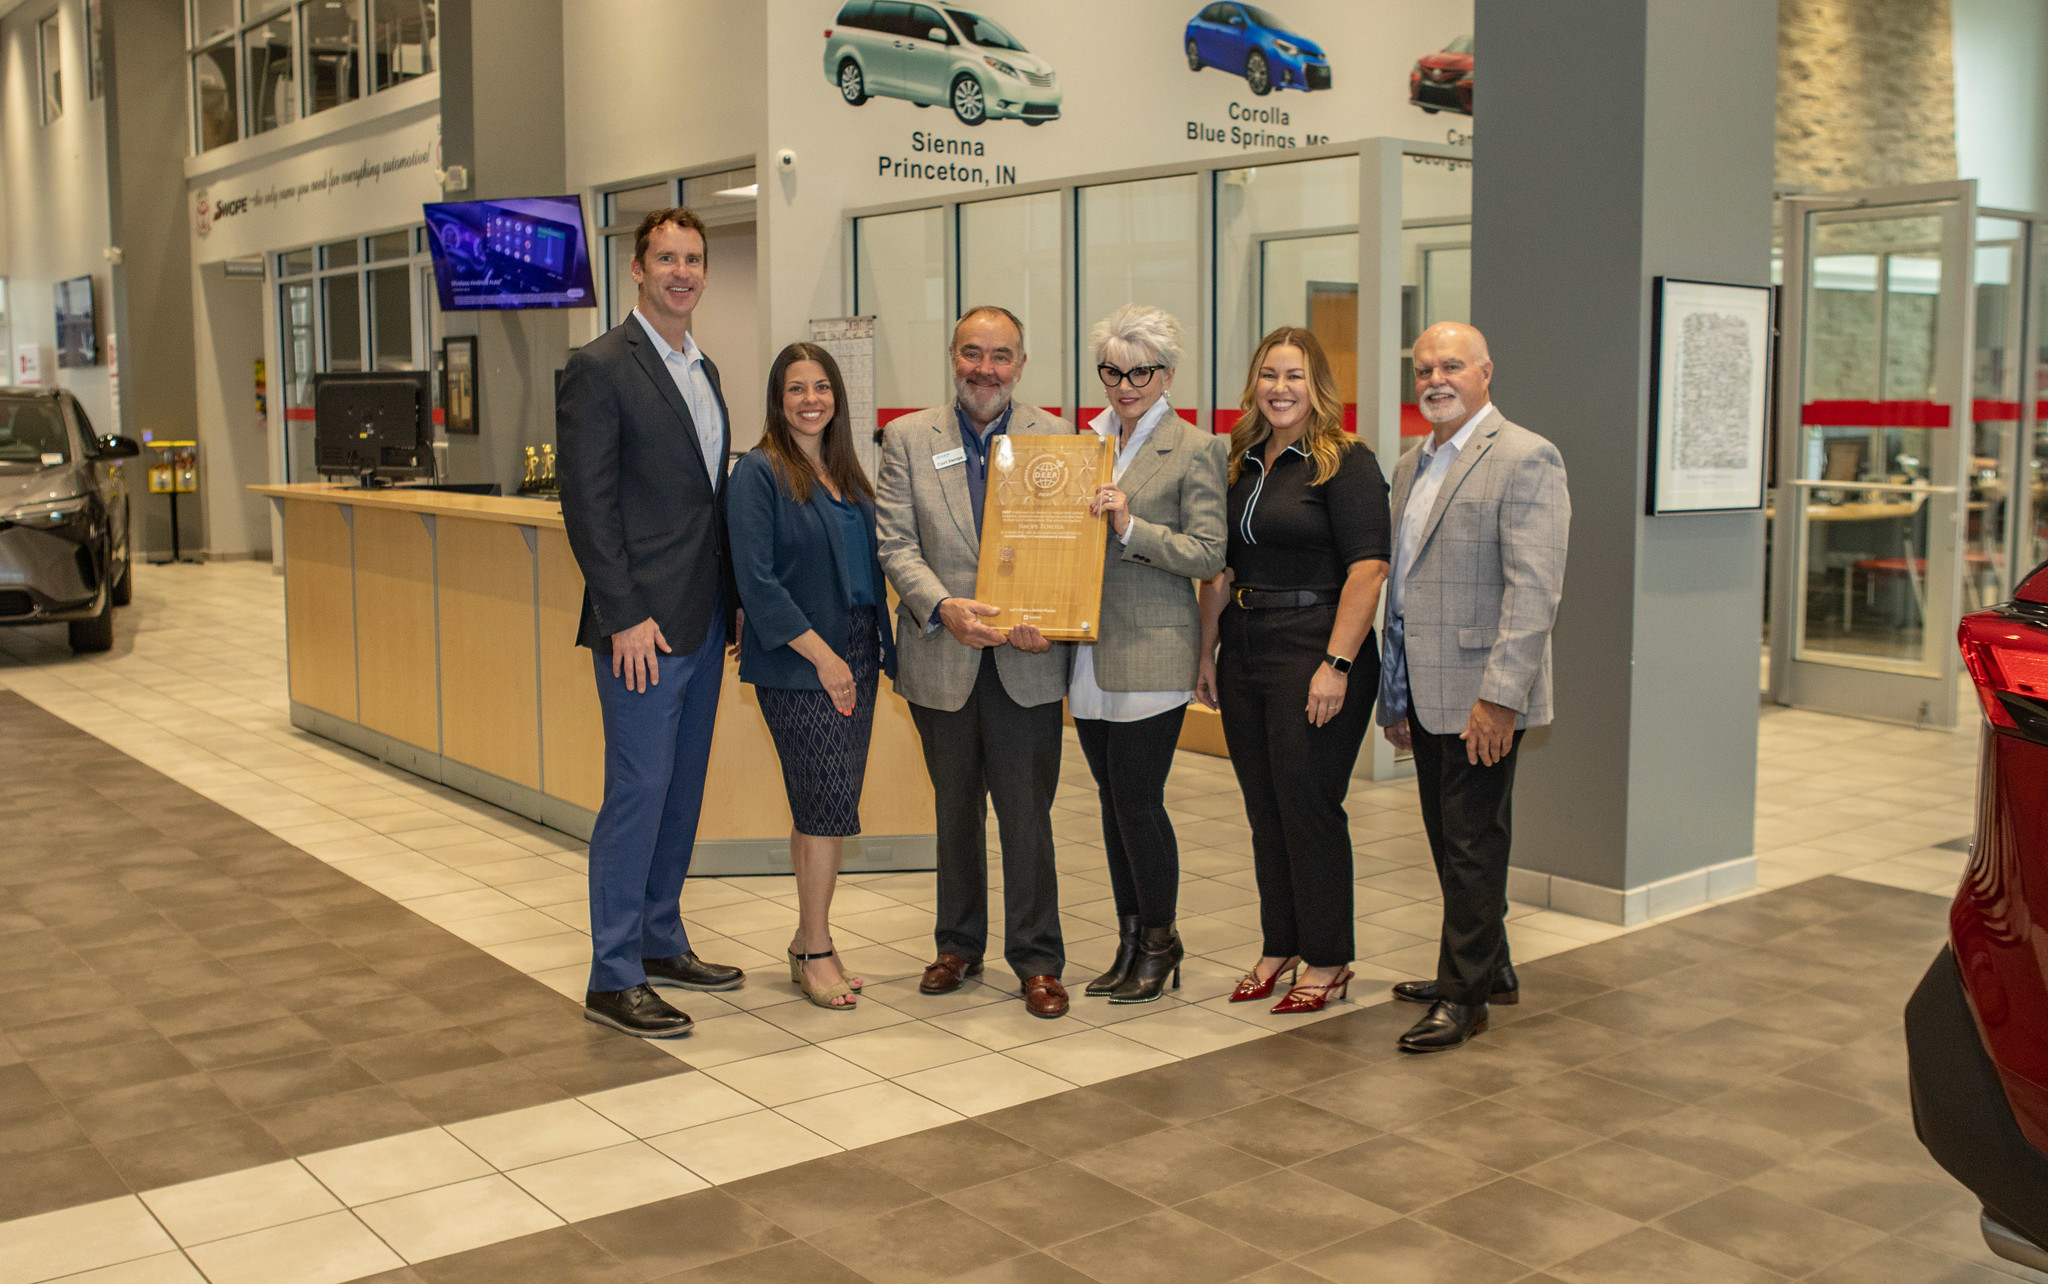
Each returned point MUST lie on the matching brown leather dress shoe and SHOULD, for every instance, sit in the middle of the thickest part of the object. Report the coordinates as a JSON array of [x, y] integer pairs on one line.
[[944, 974], [1044, 996]]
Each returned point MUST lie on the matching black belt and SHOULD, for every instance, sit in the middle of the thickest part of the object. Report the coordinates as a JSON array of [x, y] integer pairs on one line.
[[1250, 599]]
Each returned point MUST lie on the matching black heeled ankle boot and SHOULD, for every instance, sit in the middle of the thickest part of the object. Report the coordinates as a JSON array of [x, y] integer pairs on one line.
[[1126, 951], [1159, 955]]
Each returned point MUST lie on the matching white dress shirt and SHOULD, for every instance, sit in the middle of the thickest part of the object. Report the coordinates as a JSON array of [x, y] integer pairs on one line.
[[686, 366], [1085, 698], [1430, 471]]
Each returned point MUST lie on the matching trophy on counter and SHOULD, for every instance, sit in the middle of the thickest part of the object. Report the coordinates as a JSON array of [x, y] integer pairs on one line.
[[547, 469], [1041, 551], [529, 477]]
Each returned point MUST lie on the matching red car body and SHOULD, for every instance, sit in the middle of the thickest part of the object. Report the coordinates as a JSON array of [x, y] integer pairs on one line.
[[1442, 81], [1977, 1026]]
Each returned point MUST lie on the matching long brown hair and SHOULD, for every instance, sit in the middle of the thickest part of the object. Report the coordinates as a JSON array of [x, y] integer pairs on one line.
[[835, 451], [1324, 438]]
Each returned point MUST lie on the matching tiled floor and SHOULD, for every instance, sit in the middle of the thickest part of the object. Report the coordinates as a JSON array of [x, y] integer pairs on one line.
[[195, 690]]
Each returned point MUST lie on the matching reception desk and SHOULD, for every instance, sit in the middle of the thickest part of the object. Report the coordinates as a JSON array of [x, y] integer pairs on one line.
[[437, 632]]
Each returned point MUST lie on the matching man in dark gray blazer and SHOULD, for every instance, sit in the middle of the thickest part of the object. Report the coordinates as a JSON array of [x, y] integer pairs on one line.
[[986, 703], [1481, 516], [641, 428]]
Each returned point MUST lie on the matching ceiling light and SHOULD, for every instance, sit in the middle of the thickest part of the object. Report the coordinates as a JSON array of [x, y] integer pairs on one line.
[[750, 190]]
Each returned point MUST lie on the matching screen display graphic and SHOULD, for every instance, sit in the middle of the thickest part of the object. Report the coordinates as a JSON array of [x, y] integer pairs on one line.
[[528, 252]]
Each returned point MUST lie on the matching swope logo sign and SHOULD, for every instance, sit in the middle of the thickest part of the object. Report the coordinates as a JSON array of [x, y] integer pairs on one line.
[[204, 213], [210, 212], [1047, 473]]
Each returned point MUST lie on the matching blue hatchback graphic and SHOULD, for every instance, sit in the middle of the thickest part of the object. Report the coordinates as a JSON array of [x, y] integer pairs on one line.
[[1249, 41]]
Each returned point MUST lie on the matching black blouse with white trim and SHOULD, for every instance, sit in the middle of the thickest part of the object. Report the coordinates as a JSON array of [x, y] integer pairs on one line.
[[1286, 532]]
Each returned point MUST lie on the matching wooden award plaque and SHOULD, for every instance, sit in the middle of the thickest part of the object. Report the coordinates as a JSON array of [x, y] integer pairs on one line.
[[1041, 553]]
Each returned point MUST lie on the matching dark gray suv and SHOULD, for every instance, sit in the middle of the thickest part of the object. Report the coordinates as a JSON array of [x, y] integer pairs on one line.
[[63, 517]]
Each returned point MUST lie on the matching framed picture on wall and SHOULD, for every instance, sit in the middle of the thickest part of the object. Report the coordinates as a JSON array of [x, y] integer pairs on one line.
[[458, 383], [1709, 396]]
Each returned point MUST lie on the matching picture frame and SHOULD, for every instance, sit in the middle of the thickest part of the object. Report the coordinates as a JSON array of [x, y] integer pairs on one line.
[[1710, 396], [458, 384]]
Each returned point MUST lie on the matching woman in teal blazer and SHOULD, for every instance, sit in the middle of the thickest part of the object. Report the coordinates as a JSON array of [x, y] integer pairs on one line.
[[800, 514]]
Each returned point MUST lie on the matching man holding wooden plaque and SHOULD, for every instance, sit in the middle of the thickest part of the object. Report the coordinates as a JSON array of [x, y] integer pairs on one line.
[[984, 678]]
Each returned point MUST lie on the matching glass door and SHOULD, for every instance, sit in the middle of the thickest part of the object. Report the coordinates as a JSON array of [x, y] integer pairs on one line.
[[1998, 420], [1875, 455]]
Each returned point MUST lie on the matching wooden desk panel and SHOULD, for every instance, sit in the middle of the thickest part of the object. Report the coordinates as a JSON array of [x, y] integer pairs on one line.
[[319, 608], [571, 727], [490, 690], [396, 655]]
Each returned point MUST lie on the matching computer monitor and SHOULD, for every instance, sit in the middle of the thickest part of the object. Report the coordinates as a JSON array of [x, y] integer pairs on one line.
[[374, 425]]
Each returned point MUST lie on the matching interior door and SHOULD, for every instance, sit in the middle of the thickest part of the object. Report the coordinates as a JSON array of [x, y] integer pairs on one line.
[[1875, 453]]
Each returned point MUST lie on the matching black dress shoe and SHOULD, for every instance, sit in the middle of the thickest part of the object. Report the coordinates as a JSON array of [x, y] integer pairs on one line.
[[1159, 955], [688, 972], [638, 1011], [1507, 989], [1447, 1025]]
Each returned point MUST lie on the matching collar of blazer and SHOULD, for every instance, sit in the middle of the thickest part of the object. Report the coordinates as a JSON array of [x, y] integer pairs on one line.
[[1165, 436], [651, 364], [1481, 441]]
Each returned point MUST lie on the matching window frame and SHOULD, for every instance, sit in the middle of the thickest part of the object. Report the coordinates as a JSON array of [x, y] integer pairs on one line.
[[740, 171], [49, 49], [247, 16]]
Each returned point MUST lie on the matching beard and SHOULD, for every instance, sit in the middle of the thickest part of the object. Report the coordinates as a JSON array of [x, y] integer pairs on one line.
[[983, 401], [1443, 411]]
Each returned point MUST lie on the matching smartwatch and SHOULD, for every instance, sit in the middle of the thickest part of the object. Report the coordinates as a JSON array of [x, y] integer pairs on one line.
[[1337, 663]]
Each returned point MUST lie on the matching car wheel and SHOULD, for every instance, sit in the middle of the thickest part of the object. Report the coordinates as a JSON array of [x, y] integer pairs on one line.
[[853, 87], [1194, 57], [969, 103], [95, 634], [1257, 74], [1430, 110], [1033, 121]]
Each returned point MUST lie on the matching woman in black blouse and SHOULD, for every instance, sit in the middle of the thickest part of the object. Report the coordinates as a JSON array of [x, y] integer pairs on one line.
[[1310, 541]]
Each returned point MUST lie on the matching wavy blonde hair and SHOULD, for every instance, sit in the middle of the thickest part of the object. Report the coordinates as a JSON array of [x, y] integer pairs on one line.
[[1324, 438]]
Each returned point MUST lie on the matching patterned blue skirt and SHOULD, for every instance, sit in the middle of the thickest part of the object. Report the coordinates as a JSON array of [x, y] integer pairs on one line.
[[825, 752]]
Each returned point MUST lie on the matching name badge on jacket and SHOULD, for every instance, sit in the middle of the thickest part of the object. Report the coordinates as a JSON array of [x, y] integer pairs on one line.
[[950, 458]]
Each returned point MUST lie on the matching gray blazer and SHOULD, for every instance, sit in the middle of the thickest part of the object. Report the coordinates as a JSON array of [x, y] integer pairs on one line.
[[1478, 604], [1150, 636], [931, 551]]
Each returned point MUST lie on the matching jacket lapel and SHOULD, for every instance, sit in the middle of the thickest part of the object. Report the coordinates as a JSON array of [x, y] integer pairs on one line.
[[953, 481], [1468, 458], [725, 418], [1147, 461], [651, 363]]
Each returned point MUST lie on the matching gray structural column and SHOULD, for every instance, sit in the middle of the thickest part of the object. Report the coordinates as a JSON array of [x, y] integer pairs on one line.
[[1617, 141], [502, 115]]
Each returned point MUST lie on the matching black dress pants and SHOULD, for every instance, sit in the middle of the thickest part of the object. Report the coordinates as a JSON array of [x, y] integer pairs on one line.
[[1294, 774], [994, 748], [1130, 761], [1466, 809]]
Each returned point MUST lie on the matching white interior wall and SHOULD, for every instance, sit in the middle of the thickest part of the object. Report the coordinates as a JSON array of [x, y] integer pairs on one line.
[[53, 187], [727, 327], [2001, 61], [234, 441]]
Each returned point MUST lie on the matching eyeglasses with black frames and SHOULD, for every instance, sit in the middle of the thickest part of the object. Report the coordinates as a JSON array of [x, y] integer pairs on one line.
[[1136, 376]]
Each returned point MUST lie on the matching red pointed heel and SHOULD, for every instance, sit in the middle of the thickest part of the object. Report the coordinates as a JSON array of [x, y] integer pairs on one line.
[[1314, 998], [1251, 987]]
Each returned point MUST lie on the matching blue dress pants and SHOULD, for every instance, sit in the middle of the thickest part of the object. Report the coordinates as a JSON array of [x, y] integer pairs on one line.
[[657, 743]]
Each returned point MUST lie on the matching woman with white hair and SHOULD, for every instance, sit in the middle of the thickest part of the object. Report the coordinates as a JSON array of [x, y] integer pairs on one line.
[[1130, 688]]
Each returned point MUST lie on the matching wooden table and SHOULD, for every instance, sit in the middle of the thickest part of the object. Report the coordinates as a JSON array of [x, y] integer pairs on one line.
[[437, 632]]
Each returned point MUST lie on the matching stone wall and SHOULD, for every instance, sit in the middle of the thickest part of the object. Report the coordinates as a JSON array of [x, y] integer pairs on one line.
[[1866, 93]]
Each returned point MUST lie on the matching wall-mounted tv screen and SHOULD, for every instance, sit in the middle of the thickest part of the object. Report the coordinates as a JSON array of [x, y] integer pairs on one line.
[[78, 341], [528, 252]]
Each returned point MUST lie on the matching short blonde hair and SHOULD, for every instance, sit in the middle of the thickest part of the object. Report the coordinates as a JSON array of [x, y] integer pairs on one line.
[[1142, 326]]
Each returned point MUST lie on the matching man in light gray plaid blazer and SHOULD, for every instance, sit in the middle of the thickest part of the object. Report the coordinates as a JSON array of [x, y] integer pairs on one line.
[[1481, 517]]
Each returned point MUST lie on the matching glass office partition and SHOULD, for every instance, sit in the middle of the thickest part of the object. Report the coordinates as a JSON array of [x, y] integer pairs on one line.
[[1999, 298], [1286, 254], [1009, 251], [899, 277], [1139, 242], [2033, 543]]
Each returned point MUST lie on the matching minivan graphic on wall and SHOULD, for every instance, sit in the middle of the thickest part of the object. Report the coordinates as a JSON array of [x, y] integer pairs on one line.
[[1247, 40], [928, 54]]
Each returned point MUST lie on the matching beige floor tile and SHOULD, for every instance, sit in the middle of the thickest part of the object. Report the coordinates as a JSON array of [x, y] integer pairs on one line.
[[735, 1036], [84, 1238], [448, 1219], [897, 1050], [998, 1026], [393, 1166], [1186, 1031], [513, 925], [666, 1105], [164, 1268], [556, 889], [783, 1077], [323, 1250], [604, 1181], [1090, 1057], [537, 1134], [814, 1024], [235, 1203], [863, 1116], [986, 1083], [460, 905], [742, 1146], [540, 953]]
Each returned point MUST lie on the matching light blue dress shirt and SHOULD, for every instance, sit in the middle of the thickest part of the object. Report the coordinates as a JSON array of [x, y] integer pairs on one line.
[[686, 366]]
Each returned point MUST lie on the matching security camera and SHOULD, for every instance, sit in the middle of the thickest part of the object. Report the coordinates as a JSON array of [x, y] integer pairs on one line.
[[785, 160]]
